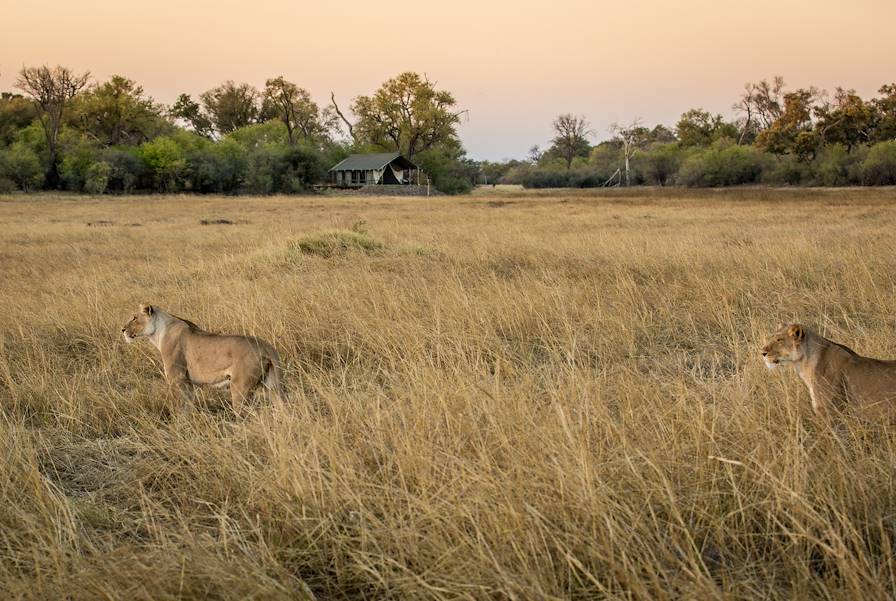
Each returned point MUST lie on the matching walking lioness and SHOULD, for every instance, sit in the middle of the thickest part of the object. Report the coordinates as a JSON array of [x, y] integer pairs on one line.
[[192, 357], [837, 376]]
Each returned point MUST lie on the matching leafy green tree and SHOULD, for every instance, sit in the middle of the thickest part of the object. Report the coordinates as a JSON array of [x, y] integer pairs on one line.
[[231, 106], [885, 114], [16, 113], [117, 112], [697, 127], [190, 112], [52, 91], [407, 114], [285, 101], [450, 171]]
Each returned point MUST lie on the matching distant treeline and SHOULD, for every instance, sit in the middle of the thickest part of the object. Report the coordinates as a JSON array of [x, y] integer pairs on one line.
[[62, 130], [800, 137]]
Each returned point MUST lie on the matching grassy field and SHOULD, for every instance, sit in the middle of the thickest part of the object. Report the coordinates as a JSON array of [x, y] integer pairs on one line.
[[500, 396]]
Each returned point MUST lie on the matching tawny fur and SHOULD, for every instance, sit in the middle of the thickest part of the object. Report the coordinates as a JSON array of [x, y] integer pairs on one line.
[[837, 377], [192, 357]]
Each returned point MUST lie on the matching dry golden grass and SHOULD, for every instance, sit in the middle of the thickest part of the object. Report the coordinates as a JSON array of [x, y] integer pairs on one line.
[[518, 396]]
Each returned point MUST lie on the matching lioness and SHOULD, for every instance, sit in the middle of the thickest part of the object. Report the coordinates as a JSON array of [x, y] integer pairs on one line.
[[836, 376], [192, 357]]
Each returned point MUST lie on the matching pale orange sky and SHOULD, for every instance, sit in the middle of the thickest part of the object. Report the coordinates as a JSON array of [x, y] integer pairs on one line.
[[513, 64]]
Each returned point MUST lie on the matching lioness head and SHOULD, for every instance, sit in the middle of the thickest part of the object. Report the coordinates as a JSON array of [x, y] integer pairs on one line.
[[785, 345], [142, 324]]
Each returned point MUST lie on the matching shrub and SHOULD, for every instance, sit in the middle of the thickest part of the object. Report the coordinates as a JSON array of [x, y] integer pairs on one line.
[[787, 170], [21, 166], [78, 154], [97, 178], [166, 163], [660, 164], [722, 164], [879, 168], [127, 171], [836, 166]]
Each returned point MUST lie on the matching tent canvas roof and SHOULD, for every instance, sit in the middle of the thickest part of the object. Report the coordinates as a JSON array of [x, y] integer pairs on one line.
[[372, 161]]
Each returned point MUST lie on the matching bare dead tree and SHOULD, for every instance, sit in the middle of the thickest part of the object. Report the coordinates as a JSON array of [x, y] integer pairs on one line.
[[632, 137], [760, 105], [348, 124], [51, 90]]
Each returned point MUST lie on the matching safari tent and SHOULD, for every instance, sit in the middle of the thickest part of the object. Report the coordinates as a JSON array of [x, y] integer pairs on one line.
[[384, 168]]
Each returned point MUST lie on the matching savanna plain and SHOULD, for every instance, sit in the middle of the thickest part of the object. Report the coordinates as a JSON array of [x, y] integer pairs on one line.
[[497, 396]]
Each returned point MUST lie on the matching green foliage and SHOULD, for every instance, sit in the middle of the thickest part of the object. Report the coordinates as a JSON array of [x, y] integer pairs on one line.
[[879, 168], [836, 166], [16, 113], [167, 163], [231, 106], [20, 165], [885, 114], [449, 170], [97, 178], [786, 170], [217, 168], [659, 164], [117, 112], [191, 113], [722, 164], [127, 171], [406, 114], [78, 152], [697, 127]]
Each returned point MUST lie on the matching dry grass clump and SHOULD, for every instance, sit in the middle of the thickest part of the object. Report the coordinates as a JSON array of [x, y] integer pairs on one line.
[[564, 400], [330, 243]]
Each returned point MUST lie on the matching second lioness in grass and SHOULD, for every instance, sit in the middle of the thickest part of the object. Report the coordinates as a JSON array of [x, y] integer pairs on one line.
[[836, 376], [192, 357]]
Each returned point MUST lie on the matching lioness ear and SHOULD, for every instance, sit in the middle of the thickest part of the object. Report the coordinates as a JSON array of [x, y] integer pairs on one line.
[[796, 331], [146, 309]]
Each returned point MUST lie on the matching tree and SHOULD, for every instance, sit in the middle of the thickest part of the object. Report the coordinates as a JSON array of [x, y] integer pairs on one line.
[[632, 137], [792, 132], [52, 90], [760, 105], [116, 112], [849, 120], [885, 114], [697, 127], [190, 112], [571, 137], [293, 106], [534, 155], [231, 106], [407, 114], [16, 112]]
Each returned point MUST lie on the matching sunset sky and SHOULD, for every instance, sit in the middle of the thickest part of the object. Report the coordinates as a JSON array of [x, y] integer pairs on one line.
[[513, 64]]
